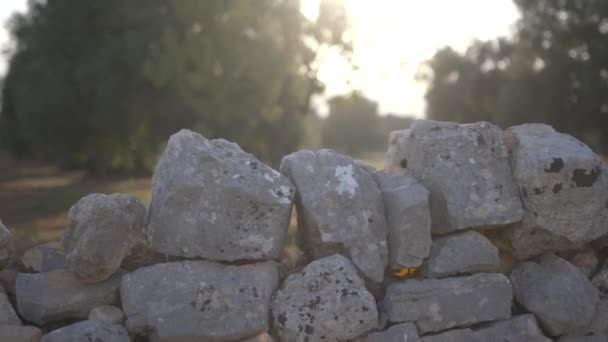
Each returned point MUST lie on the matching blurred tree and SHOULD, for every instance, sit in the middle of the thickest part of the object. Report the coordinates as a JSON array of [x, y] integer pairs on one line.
[[102, 84], [554, 70], [353, 125]]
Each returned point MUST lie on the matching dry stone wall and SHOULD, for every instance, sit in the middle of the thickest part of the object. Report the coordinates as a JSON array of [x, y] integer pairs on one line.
[[468, 234]]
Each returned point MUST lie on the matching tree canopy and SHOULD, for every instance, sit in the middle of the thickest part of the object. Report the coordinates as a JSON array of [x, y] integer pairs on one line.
[[554, 70], [101, 84]]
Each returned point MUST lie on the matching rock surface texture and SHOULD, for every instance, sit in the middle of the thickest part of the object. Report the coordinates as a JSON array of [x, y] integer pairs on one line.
[[198, 300], [558, 293], [100, 233], [340, 209], [461, 253], [406, 204], [439, 304], [465, 167], [212, 200], [94, 331], [554, 170], [326, 301], [57, 295]]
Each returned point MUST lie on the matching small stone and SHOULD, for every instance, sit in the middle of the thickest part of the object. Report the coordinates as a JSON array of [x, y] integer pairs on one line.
[[404, 332], [406, 204], [8, 316], [519, 328], [439, 304], [326, 301], [19, 333], [461, 253], [561, 181], [56, 295], [465, 168], [340, 209], [107, 313], [100, 233], [600, 281], [44, 258], [558, 293], [212, 200], [199, 300], [88, 331]]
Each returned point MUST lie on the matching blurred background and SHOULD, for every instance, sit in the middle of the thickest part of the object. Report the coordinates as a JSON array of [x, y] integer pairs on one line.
[[91, 90]]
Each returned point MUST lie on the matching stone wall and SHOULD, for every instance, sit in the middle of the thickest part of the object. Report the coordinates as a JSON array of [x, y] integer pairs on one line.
[[469, 234]]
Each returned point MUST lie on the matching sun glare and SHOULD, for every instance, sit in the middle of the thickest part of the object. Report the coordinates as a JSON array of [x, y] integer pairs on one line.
[[392, 38]]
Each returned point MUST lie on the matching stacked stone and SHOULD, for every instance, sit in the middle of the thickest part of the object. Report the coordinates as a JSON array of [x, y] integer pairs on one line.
[[504, 231]]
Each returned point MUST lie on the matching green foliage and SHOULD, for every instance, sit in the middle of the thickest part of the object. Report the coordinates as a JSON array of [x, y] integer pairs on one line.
[[555, 70], [354, 126], [102, 84]]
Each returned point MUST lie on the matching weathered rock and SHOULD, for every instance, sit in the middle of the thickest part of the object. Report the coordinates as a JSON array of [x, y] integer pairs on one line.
[[591, 337], [557, 292], [6, 244], [457, 335], [212, 200], [143, 255], [519, 328], [600, 281], [460, 253], [56, 295], [44, 258], [325, 301], [586, 261], [406, 204], [8, 316], [86, 331], [404, 332], [199, 300], [340, 209], [19, 333], [107, 313], [101, 231], [561, 181], [466, 169], [263, 337], [439, 304]]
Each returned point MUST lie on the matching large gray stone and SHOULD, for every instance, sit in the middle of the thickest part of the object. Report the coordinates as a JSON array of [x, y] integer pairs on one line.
[[199, 300], [88, 331], [406, 204], [561, 181], [340, 209], [56, 295], [404, 332], [557, 292], [466, 169], [326, 301], [8, 316], [44, 258], [460, 253], [19, 333], [439, 304], [100, 233], [212, 200], [519, 328], [591, 337], [598, 327]]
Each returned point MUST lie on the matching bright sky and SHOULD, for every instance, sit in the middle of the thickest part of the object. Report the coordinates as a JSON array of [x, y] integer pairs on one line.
[[391, 39]]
